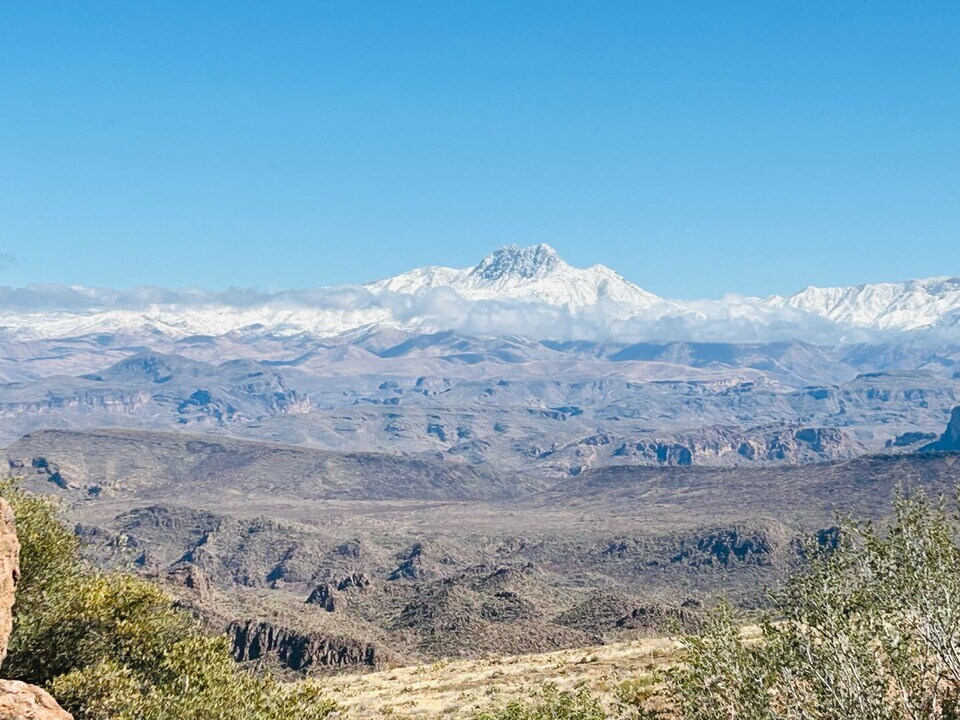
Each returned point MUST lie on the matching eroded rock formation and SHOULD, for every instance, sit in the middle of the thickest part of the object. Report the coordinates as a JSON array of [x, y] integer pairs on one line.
[[300, 650]]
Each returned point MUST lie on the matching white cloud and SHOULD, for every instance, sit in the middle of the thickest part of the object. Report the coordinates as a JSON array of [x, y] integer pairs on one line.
[[58, 311]]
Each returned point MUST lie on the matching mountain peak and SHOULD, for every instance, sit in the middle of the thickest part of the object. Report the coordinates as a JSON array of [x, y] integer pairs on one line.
[[534, 274], [512, 261]]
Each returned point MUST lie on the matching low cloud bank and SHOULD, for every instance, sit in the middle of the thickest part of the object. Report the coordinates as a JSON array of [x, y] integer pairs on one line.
[[59, 311]]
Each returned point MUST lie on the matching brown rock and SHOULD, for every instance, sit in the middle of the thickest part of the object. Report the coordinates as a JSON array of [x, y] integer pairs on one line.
[[190, 576], [19, 701], [9, 573]]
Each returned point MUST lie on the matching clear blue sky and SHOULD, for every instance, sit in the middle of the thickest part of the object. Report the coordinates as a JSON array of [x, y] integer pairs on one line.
[[698, 148]]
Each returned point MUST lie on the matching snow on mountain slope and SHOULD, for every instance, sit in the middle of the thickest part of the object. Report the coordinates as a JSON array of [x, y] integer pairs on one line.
[[176, 321], [536, 274], [426, 277], [529, 292], [911, 305]]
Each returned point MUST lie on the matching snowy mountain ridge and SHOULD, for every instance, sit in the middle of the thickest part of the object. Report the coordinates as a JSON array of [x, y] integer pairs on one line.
[[529, 292], [535, 274], [910, 305]]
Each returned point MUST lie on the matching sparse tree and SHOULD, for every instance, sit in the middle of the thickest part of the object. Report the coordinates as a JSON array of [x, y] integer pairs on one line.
[[869, 628], [110, 646]]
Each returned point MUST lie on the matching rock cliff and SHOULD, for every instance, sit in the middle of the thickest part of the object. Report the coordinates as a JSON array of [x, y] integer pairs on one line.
[[950, 440], [295, 650]]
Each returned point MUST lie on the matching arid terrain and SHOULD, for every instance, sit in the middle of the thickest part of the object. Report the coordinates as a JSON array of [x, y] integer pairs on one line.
[[461, 688], [316, 561]]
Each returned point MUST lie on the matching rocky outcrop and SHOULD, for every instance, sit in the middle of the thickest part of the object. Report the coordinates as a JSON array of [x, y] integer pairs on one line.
[[357, 580], [322, 595], [659, 618], [605, 611], [729, 547], [411, 565], [192, 577], [18, 701], [950, 440], [252, 640], [9, 573], [718, 445], [39, 467], [909, 438], [597, 613], [107, 401]]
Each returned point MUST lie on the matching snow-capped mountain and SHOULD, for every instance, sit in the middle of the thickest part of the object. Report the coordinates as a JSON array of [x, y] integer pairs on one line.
[[912, 305], [431, 276], [539, 274], [529, 292], [535, 273]]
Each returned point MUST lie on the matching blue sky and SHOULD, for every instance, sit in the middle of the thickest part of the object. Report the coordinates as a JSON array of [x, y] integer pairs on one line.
[[698, 148]]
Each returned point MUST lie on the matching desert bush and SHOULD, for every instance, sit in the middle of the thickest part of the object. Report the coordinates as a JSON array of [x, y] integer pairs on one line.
[[551, 703], [868, 628], [113, 646], [195, 680], [631, 701]]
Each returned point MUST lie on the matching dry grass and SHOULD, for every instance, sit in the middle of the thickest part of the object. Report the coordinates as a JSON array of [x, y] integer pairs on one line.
[[461, 688]]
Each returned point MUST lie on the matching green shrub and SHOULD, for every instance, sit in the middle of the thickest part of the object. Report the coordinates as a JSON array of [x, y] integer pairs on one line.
[[553, 704], [111, 646], [867, 629], [722, 677], [632, 701], [196, 680]]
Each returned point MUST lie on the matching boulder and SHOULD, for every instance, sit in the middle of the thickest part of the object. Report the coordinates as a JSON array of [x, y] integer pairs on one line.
[[19, 701]]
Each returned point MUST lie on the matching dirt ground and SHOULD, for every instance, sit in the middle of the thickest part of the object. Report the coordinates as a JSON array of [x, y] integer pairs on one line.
[[461, 688]]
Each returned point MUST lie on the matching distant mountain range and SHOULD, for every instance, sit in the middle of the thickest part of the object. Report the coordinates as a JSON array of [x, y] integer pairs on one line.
[[529, 292], [520, 362]]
